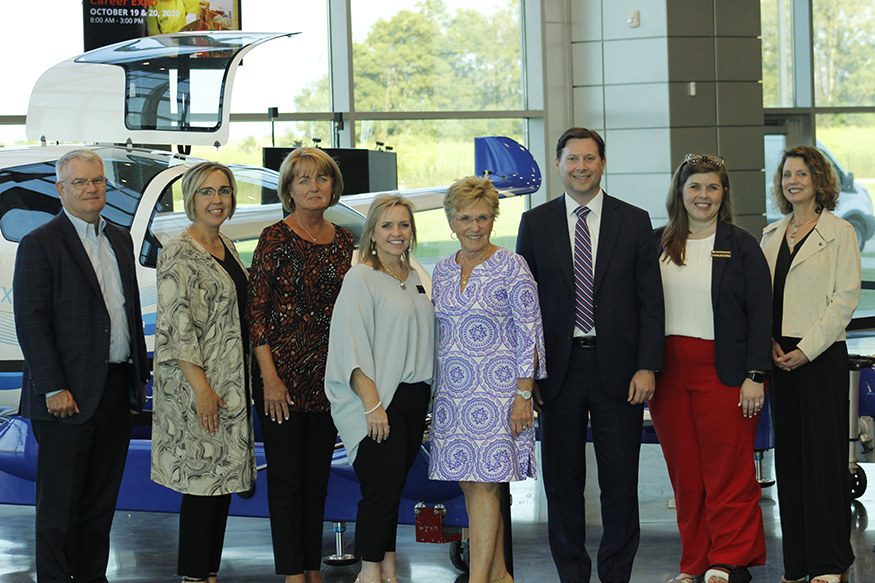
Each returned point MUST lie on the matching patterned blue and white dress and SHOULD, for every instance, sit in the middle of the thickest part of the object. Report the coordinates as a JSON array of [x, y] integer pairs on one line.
[[488, 336]]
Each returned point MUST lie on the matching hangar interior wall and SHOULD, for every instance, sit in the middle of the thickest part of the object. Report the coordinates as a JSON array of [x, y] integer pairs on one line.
[[686, 79]]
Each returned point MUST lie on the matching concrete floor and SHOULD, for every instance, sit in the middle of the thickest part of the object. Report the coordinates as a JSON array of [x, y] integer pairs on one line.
[[144, 544]]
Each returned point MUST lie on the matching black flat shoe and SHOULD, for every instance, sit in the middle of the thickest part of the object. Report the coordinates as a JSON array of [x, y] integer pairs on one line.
[[720, 573]]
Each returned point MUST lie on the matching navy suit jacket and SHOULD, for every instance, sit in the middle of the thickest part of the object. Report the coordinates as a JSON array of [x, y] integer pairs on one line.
[[628, 300], [741, 299], [62, 322]]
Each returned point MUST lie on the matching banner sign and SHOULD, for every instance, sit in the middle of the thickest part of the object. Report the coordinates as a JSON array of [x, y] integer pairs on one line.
[[110, 21]]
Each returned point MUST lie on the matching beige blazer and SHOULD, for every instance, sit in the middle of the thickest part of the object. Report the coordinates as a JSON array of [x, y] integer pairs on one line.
[[823, 284]]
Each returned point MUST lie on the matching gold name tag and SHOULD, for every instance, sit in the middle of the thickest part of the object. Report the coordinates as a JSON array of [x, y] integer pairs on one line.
[[724, 254]]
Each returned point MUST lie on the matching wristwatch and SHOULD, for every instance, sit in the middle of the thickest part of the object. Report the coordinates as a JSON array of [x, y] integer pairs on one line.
[[527, 395], [756, 376]]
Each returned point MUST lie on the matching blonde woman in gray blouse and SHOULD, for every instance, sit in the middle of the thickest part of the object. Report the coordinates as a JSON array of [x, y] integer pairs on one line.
[[379, 374]]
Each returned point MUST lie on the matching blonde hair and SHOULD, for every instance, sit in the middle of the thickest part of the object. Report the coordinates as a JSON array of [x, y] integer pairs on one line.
[[469, 190], [195, 176], [380, 205]]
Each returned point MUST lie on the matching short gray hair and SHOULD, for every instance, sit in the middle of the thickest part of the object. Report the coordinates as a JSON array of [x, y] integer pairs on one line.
[[83, 155]]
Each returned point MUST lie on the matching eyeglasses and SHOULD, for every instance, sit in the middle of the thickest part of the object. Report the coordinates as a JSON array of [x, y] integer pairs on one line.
[[81, 183], [467, 221], [210, 192], [696, 159]]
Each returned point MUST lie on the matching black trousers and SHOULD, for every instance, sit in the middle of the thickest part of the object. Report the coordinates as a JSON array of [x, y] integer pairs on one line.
[[298, 454], [202, 521], [382, 471], [810, 407], [616, 432], [79, 471]]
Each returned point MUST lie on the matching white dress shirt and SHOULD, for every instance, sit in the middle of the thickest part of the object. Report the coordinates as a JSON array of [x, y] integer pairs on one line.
[[103, 259]]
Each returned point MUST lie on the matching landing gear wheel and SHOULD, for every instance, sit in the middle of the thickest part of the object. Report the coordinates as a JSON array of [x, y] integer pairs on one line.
[[460, 555], [858, 483]]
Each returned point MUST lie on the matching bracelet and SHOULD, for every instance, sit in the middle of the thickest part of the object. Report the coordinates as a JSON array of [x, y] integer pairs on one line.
[[377, 406]]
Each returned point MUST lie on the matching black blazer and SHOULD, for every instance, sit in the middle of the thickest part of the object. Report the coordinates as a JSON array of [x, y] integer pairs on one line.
[[741, 298], [62, 321], [628, 300]]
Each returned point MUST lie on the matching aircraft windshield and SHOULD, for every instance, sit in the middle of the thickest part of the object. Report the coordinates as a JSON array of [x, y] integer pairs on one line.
[[174, 82]]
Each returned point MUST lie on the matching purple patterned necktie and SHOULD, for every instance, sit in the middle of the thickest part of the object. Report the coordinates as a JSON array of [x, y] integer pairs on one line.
[[583, 280]]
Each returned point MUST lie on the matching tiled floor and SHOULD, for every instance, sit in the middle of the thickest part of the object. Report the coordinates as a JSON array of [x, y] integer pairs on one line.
[[144, 544]]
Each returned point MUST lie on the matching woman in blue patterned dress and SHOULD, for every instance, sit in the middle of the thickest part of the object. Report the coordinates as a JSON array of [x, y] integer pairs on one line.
[[491, 350]]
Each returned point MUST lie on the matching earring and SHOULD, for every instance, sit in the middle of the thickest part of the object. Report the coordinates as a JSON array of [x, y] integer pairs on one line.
[[373, 248], [492, 234], [453, 235]]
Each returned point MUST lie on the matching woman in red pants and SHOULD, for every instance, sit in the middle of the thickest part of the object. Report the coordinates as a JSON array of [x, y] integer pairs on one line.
[[717, 349]]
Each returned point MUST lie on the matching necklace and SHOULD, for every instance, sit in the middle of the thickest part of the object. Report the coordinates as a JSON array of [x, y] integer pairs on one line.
[[465, 278], [796, 226], [297, 220], [193, 232], [389, 271]]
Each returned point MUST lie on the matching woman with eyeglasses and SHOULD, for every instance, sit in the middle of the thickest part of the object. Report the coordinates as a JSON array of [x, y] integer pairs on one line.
[[379, 376], [815, 263], [717, 350], [202, 438], [297, 270], [490, 352]]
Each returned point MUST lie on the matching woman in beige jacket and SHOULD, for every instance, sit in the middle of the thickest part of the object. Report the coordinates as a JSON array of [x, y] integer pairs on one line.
[[815, 263]]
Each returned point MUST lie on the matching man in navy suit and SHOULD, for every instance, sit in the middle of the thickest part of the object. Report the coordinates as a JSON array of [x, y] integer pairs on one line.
[[604, 334], [77, 314]]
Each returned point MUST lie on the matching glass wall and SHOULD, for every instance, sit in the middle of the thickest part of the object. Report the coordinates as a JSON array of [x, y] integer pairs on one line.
[[424, 79], [428, 56], [777, 35], [844, 45], [819, 86]]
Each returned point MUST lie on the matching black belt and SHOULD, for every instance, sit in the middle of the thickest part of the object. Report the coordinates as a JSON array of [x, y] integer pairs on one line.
[[583, 341]]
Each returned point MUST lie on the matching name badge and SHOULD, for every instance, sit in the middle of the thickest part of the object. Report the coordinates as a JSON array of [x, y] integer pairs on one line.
[[420, 289], [723, 254]]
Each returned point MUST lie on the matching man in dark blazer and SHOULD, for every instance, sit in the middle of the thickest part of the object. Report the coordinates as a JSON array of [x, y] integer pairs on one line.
[[600, 370], [77, 314]]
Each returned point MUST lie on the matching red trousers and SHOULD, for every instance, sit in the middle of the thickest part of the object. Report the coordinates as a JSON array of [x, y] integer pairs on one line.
[[708, 447]]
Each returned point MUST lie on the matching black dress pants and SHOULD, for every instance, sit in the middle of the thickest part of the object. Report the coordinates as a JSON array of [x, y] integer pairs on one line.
[[202, 521], [79, 471], [298, 454], [810, 408], [616, 435], [382, 471]]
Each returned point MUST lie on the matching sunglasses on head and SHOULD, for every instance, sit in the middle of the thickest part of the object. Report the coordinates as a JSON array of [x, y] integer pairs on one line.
[[696, 159]]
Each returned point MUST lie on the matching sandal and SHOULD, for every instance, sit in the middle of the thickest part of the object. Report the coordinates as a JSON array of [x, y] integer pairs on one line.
[[827, 579], [721, 573], [684, 578]]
